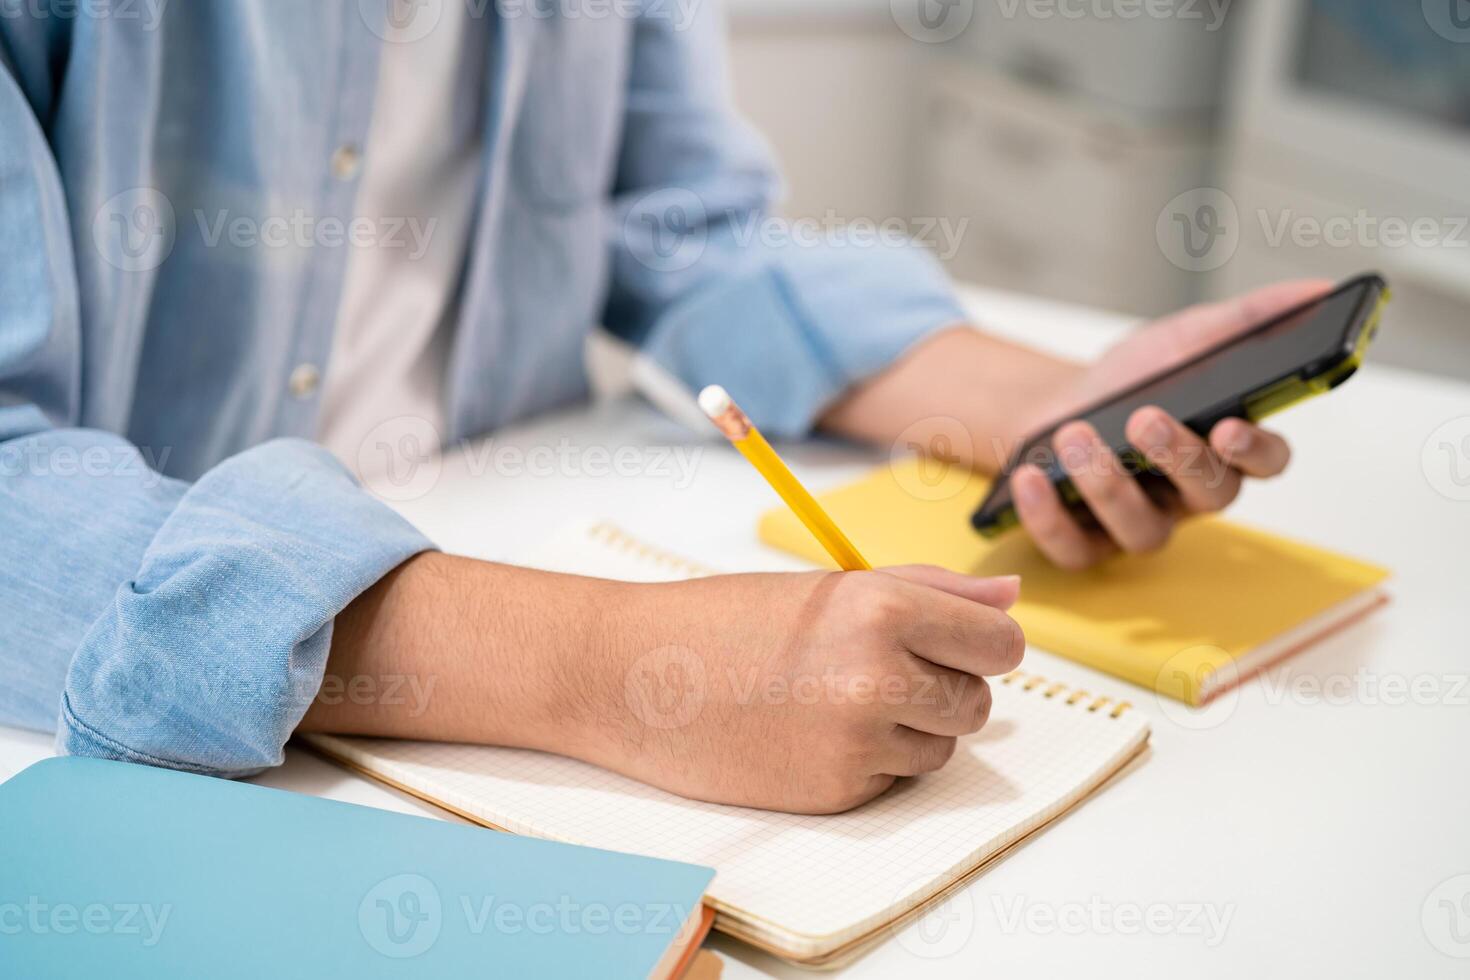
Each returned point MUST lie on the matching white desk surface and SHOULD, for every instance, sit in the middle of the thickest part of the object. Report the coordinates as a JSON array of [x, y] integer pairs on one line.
[[1316, 825]]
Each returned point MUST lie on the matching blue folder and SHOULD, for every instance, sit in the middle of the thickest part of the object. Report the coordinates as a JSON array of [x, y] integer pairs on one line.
[[110, 870]]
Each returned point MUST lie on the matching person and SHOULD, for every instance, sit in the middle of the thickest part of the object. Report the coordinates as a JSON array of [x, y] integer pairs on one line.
[[240, 235]]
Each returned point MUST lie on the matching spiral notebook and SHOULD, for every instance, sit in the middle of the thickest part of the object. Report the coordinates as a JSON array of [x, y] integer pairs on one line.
[[811, 889]]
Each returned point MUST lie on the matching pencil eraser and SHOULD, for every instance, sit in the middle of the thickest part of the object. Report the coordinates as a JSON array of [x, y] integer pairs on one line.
[[714, 401]]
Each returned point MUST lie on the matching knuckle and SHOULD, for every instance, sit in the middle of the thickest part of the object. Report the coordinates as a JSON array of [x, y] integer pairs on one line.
[[937, 752], [967, 714], [1011, 644], [950, 714], [853, 745], [960, 622], [879, 606], [1000, 638], [980, 710], [857, 690]]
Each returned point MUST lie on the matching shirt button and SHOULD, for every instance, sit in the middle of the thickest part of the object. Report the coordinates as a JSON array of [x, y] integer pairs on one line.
[[346, 162], [304, 380]]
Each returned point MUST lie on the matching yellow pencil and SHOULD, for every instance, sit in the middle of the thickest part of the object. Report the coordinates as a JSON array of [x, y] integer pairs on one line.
[[731, 421]]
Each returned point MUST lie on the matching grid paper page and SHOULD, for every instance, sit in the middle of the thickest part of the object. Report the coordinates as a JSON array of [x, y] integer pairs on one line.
[[804, 884]]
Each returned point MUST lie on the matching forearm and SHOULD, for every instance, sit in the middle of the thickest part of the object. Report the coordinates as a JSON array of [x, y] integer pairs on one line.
[[453, 649], [961, 394]]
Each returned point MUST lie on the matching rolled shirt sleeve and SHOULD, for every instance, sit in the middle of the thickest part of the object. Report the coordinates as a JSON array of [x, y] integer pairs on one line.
[[207, 656], [178, 625], [714, 290], [796, 329]]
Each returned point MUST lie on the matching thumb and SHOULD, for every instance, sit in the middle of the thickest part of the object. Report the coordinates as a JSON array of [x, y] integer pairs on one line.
[[1001, 593]]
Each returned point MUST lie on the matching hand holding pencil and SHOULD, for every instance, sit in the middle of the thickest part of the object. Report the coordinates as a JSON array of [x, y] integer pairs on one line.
[[834, 685]]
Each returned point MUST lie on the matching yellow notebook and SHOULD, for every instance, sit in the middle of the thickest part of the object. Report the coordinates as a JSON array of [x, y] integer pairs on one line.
[[1219, 604]]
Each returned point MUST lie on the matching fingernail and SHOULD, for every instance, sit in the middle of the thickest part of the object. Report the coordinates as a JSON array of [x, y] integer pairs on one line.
[[1027, 489], [1156, 429], [1015, 582], [1074, 447], [1075, 439], [1241, 440]]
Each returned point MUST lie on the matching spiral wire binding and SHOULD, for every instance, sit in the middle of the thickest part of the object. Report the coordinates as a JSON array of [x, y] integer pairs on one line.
[[616, 537], [1030, 682]]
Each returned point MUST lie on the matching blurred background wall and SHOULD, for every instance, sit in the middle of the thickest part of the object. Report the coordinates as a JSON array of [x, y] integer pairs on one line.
[[1137, 154]]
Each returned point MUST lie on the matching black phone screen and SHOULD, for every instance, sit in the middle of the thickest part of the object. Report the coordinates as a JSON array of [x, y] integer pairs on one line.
[[1304, 342]]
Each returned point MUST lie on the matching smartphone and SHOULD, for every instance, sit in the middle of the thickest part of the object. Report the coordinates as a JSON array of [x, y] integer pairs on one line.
[[1298, 355]]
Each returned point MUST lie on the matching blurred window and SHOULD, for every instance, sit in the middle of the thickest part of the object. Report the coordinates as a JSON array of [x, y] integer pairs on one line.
[[1402, 56]]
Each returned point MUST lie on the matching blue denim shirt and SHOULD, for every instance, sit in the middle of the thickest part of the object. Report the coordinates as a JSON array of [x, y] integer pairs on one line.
[[174, 549]]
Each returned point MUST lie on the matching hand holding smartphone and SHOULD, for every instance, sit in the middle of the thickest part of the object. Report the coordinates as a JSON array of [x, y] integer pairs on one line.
[[1302, 353]]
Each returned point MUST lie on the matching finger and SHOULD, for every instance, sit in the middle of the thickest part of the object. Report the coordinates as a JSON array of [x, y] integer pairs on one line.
[[999, 593], [1051, 526], [1205, 482], [911, 753], [960, 634], [1198, 328], [1250, 449], [945, 702], [1112, 494], [876, 786], [848, 798]]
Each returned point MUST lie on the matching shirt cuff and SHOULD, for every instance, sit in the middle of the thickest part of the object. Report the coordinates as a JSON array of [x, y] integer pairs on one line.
[[209, 657], [789, 336]]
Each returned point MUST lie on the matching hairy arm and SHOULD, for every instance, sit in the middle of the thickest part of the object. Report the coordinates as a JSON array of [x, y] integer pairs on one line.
[[453, 649]]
